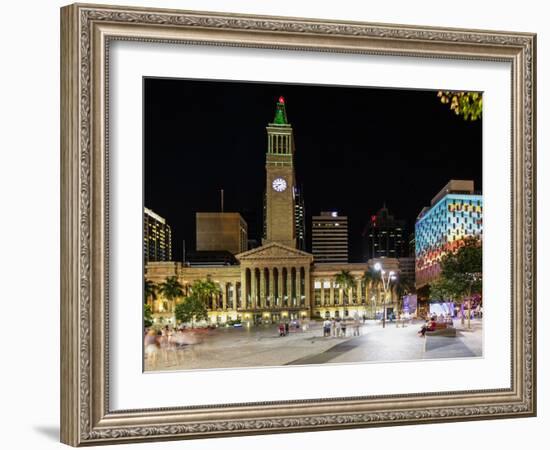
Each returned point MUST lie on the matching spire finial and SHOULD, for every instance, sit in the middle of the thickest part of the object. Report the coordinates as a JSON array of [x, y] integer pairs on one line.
[[280, 112]]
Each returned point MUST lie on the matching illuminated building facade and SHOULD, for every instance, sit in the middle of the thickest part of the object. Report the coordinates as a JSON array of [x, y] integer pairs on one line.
[[157, 237], [329, 237], [455, 213], [277, 280]]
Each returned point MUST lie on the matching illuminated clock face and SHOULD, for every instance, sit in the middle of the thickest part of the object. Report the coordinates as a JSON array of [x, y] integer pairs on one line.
[[279, 184]]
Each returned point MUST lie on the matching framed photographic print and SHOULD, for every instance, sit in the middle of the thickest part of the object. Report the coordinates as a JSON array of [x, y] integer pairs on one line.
[[274, 224]]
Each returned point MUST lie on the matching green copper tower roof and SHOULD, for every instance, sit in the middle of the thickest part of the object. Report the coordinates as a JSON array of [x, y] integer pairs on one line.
[[280, 112]]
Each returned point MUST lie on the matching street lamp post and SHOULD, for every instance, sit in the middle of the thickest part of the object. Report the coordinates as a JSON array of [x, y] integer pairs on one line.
[[387, 278]]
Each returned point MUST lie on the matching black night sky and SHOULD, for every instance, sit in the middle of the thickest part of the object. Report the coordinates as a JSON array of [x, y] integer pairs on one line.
[[356, 148]]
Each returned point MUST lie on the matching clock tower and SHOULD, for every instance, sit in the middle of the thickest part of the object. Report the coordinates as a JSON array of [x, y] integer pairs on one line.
[[280, 181]]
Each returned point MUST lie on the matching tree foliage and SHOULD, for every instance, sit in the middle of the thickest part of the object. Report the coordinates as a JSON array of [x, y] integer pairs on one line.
[[371, 278], [205, 289], [469, 105], [345, 281], [171, 288], [461, 272], [147, 316], [443, 289], [191, 309], [149, 290]]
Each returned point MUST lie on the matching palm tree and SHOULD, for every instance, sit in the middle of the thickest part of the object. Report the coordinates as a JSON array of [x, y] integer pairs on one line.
[[149, 292], [205, 289], [171, 289], [372, 281], [345, 281]]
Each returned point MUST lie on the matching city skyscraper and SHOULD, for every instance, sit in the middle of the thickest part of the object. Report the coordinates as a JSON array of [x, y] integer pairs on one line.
[[329, 238], [157, 237], [454, 214], [384, 236], [300, 218]]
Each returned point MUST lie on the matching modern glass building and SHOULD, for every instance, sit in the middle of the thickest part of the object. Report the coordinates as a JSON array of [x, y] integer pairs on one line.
[[455, 214]]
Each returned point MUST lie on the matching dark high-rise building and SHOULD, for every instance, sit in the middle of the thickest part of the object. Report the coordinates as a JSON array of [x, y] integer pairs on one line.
[[329, 238], [157, 237], [300, 218], [384, 236]]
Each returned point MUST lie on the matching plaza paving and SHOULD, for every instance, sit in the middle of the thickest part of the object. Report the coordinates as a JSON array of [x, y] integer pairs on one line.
[[262, 346]]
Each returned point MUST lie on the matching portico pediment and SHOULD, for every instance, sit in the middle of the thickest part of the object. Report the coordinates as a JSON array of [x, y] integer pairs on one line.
[[272, 252]]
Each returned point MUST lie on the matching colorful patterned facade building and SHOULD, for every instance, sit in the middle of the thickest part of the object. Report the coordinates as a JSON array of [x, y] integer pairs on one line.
[[455, 213]]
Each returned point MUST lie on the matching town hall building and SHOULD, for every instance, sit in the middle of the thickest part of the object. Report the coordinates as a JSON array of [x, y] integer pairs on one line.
[[277, 281]]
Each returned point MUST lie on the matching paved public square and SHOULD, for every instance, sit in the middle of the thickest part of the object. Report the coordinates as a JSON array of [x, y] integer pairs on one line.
[[262, 346]]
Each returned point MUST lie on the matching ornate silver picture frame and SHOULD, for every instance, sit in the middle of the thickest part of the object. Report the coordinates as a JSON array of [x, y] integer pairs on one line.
[[87, 31]]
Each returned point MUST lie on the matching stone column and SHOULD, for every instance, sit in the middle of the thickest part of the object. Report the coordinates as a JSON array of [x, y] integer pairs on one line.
[[223, 287], [340, 296], [254, 287], [272, 282], [307, 289], [322, 292], [262, 288], [243, 287], [359, 287], [280, 290], [233, 303], [289, 285], [331, 295], [298, 286]]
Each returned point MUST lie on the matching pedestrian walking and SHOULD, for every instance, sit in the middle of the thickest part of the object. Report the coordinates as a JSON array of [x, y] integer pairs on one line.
[[287, 328], [344, 326], [338, 328], [281, 329], [333, 327], [151, 348], [356, 327], [326, 328]]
